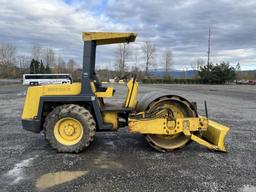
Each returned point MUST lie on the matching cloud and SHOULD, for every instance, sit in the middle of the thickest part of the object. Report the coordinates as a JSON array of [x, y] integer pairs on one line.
[[50, 23], [180, 25], [183, 26]]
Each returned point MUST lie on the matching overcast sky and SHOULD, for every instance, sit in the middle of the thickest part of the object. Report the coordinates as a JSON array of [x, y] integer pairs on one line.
[[181, 25]]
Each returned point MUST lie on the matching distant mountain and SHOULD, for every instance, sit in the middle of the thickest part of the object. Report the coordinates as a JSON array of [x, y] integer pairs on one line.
[[173, 73]]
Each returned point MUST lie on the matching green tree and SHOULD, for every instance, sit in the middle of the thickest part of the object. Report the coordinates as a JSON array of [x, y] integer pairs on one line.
[[37, 65], [217, 74], [47, 69], [42, 68], [34, 66]]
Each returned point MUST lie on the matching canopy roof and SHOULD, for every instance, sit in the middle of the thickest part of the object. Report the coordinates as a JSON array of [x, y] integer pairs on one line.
[[103, 38]]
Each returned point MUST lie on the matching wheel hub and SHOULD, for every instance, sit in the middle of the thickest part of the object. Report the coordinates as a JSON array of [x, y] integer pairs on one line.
[[68, 131]]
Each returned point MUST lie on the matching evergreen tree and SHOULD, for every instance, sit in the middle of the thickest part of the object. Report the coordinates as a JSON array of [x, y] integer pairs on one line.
[[41, 68], [37, 66], [47, 69], [217, 74], [32, 67]]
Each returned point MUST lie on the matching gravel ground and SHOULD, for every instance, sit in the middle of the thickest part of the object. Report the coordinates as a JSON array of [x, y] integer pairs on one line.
[[119, 161]]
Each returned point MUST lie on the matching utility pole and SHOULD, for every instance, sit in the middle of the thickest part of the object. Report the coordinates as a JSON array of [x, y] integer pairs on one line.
[[209, 47]]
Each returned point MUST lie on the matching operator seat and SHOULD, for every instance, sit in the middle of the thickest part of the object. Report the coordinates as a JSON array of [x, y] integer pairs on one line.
[[130, 99]]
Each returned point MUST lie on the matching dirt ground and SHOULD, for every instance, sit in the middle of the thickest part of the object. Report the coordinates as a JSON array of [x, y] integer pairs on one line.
[[119, 161]]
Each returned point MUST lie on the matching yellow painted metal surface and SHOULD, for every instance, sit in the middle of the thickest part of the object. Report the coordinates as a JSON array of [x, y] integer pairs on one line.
[[192, 124], [205, 143], [68, 131], [108, 93], [33, 95], [161, 126], [216, 134], [149, 126], [213, 133], [103, 38], [131, 98], [111, 117], [93, 86]]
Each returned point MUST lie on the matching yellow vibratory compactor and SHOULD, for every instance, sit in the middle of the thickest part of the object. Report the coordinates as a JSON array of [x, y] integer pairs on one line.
[[70, 114]]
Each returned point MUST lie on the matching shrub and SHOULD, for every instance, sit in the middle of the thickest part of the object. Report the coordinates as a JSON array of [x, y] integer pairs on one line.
[[217, 74]]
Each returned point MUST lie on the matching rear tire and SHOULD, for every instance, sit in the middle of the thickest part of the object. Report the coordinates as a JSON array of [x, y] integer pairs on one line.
[[69, 128]]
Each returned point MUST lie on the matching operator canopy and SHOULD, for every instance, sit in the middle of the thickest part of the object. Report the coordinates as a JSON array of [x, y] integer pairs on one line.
[[103, 38]]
